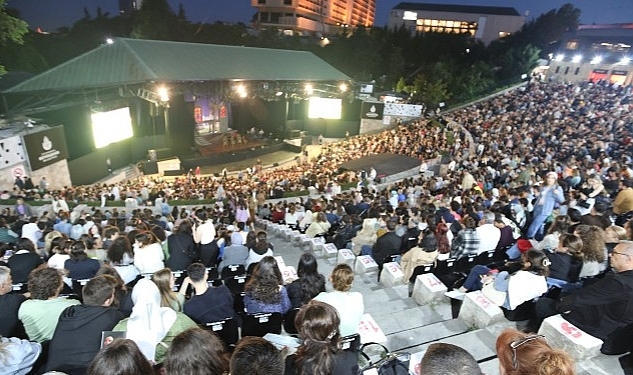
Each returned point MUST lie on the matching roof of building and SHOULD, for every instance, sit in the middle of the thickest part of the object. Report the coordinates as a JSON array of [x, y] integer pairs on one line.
[[454, 8], [133, 61]]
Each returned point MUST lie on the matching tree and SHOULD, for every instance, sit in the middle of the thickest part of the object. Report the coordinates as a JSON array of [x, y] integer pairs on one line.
[[12, 29], [155, 20]]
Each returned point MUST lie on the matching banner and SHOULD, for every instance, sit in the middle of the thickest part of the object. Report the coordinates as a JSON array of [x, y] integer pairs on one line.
[[45, 147], [372, 110]]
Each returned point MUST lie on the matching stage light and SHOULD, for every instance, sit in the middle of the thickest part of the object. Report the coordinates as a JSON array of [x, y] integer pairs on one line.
[[309, 89], [342, 87], [596, 60], [109, 40], [163, 93], [625, 60], [576, 59], [241, 91], [560, 57]]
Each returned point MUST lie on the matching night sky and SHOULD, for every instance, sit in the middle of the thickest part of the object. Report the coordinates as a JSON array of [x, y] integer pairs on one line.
[[52, 14]]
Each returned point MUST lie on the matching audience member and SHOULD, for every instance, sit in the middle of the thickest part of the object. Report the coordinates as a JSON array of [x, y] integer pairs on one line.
[[521, 353], [320, 351], [265, 292], [600, 308], [448, 359], [151, 326], [196, 352], [348, 304], [256, 356], [24, 260], [79, 266], [182, 248], [207, 304], [165, 281], [309, 282], [77, 337], [41, 312], [9, 305], [18, 356], [121, 357]]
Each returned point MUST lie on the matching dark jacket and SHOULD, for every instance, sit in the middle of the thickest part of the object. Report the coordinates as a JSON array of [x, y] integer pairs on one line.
[[387, 244], [22, 264], [182, 251], [602, 307], [344, 363], [213, 305], [77, 337], [9, 306]]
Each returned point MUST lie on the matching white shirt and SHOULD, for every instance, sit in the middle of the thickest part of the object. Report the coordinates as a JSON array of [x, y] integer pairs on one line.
[[489, 236], [149, 259], [350, 308], [32, 232]]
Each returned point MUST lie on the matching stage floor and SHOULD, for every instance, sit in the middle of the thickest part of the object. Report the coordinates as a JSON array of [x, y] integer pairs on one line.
[[385, 164]]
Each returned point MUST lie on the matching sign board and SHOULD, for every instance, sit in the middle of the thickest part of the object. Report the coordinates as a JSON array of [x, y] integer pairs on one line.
[[45, 147], [372, 110]]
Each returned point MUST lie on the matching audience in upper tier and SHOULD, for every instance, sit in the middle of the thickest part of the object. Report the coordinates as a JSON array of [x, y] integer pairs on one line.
[[541, 173]]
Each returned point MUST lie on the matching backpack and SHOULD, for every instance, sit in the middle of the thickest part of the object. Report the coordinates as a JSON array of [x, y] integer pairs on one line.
[[388, 363]]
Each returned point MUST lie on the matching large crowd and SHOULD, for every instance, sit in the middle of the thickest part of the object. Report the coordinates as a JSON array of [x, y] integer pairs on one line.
[[546, 187]]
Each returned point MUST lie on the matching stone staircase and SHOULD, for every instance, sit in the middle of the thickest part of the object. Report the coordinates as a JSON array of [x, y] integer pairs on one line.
[[412, 328]]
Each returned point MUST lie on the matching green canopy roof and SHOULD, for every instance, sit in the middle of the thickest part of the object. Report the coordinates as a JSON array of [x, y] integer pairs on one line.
[[134, 61]]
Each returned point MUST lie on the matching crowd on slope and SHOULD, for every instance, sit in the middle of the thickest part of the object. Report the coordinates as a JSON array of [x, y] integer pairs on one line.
[[550, 160]]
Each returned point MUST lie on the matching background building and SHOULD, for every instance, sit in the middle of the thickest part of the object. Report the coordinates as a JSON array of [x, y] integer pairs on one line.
[[126, 7], [484, 23], [595, 52], [314, 16]]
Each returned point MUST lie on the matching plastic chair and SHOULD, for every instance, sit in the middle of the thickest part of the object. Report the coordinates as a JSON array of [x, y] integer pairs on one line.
[[236, 283], [465, 264], [232, 270], [485, 258], [421, 270], [261, 324], [444, 267], [226, 329], [289, 322]]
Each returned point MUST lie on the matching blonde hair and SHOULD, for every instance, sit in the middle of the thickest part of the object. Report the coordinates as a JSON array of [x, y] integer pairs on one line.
[[342, 277]]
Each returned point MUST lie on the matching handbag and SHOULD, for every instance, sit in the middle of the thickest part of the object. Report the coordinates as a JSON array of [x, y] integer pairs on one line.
[[388, 364], [495, 296]]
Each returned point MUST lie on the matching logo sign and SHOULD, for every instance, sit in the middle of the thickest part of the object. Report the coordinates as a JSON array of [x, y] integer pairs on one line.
[[46, 147], [372, 110]]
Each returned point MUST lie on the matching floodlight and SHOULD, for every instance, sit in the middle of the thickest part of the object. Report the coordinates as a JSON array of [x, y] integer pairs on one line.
[[596, 60], [576, 59], [625, 60], [309, 89], [342, 87], [560, 57], [163, 93]]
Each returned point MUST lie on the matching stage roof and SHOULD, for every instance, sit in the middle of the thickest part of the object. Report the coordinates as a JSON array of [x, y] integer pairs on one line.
[[136, 61]]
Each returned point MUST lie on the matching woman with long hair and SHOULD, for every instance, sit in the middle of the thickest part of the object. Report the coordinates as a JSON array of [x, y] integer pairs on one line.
[[148, 253], [265, 292], [203, 235], [559, 226], [121, 258], [261, 249], [566, 259], [181, 247], [521, 353], [319, 227], [523, 285], [165, 281], [309, 283], [24, 260], [79, 266], [593, 249], [196, 352], [120, 357], [320, 352]]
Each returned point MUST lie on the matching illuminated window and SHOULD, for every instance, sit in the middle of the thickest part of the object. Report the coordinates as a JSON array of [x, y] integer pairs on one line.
[[197, 114], [427, 22], [441, 23], [433, 22], [410, 16], [449, 23], [572, 44]]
